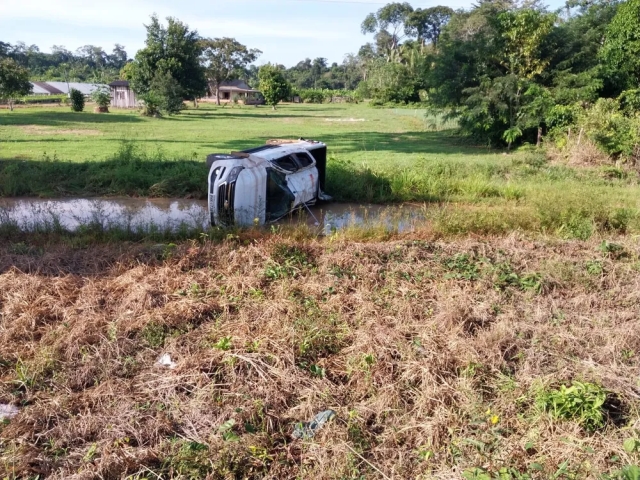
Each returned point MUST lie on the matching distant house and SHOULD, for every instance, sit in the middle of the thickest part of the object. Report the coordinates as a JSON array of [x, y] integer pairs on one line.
[[121, 95], [63, 88], [235, 89]]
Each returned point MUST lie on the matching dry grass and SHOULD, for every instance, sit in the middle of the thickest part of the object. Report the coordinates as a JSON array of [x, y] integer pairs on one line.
[[429, 353], [44, 130], [578, 151]]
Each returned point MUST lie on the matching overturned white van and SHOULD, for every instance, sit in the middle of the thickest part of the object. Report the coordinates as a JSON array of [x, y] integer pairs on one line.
[[263, 184]]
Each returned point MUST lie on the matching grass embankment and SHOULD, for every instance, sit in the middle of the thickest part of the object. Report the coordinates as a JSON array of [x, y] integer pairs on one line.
[[377, 156], [439, 358]]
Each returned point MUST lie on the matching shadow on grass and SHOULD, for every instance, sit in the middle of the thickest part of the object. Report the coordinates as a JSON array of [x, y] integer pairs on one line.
[[64, 118], [121, 176], [416, 142]]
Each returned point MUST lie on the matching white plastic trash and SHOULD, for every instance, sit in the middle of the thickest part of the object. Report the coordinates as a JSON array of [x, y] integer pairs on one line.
[[166, 362], [8, 411]]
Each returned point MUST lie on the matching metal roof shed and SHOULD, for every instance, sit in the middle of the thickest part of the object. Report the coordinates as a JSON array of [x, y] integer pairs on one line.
[[84, 88]]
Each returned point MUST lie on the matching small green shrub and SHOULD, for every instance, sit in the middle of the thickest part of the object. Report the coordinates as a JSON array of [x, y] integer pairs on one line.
[[581, 402], [101, 97], [77, 100], [150, 104]]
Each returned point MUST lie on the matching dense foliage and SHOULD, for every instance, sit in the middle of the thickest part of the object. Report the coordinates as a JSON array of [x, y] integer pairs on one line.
[[14, 81], [170, 51], [511, 72], [273, 84], [89, 63]]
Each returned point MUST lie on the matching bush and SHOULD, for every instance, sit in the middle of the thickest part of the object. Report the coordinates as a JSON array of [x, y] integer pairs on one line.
[[151, 104], [615, 133], [101, 97], [77, 100], [165, 97], [169, 92], [312, 95]]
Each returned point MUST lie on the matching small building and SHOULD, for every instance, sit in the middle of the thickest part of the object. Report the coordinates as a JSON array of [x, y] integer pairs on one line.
[[235, 89], [121, 95]]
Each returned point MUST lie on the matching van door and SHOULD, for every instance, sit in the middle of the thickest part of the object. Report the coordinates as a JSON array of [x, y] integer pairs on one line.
[[297, 179], [308, 175]]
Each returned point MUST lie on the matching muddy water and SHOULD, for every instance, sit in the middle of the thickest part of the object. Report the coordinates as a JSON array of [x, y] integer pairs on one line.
[[138, 213]]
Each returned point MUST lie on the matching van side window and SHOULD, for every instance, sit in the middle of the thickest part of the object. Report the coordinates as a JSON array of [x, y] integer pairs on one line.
[[304, 159], [286, 163]]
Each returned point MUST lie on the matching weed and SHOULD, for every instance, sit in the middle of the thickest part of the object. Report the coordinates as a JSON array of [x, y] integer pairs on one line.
[[226, 430], [224, 344], [189, 460], [582, 402], [595, 267], [154, 334], [462, 267], [287, 261], [317, 371], [611, 249]]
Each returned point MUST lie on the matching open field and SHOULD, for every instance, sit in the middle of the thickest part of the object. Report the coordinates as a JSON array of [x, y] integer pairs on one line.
[[356, 132], [444, 352], [377, 155], [439, 358]]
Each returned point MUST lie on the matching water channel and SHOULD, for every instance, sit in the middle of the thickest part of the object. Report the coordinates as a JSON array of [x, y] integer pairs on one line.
[[161, 213]]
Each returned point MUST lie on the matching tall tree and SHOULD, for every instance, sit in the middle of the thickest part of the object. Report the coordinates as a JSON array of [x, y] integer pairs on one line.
[[118, 57], [225, 59], [174, 49], [622, 46], [273, 84], [426, 24], [14, 81], [389, 23]]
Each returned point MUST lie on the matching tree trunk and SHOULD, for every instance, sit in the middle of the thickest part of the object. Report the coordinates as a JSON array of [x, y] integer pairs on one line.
[[10, 106], [539, 140], [195, 102], [274, 107], [217, 93]]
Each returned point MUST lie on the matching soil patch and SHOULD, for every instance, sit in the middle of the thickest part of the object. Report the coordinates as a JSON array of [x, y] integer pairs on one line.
[[44, 130]]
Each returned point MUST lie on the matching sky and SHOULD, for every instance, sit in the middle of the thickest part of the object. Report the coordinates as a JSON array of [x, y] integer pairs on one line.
[[287, 31]]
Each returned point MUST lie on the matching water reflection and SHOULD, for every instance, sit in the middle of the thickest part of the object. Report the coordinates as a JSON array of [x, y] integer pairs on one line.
[[172, 214]]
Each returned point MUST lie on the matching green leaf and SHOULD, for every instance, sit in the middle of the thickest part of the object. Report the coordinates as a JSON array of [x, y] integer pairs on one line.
[[536, 466], [630, 445]]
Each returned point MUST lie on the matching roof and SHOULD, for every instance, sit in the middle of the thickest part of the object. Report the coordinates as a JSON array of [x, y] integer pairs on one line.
[[119, 83], [236, 86], [43, 88], [84, 88]]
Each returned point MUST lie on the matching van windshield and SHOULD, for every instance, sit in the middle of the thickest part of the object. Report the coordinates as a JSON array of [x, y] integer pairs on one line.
[[280, 200]]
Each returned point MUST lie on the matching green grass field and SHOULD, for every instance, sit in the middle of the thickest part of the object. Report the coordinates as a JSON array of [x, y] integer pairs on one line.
[[377, 155], [354, 132]]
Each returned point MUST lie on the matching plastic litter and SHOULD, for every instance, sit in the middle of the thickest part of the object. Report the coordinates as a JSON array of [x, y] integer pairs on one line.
[[307, 430], [8, 411], [165, 361]]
